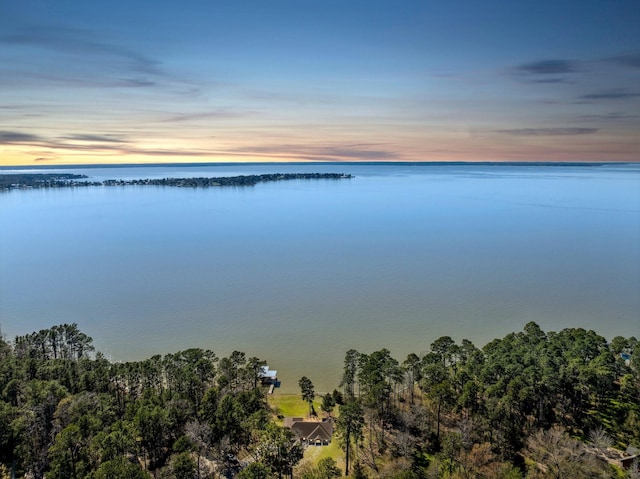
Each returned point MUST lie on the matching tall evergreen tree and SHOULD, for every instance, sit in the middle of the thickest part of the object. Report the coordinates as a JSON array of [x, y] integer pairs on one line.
[[308, 392], [349, 427]]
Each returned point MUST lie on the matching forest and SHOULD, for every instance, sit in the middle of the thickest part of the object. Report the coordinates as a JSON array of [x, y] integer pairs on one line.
[[532, 404]]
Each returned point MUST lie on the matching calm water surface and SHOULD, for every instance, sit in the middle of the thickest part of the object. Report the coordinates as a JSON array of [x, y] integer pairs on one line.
[[299, 272]]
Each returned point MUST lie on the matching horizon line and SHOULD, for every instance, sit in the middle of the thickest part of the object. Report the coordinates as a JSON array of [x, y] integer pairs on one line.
[[350, 163]]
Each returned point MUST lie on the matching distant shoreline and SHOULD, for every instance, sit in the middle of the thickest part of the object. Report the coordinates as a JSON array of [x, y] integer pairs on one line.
[[65, 180]]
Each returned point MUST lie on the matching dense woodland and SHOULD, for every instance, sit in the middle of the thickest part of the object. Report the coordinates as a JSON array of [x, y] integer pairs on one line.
[[530, 405]]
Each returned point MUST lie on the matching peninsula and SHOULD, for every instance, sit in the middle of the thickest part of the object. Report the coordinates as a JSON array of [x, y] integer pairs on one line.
[[68, 180]]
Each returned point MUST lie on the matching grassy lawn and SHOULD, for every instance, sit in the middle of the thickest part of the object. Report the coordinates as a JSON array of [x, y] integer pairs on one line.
[[291, 405], [314, 453]]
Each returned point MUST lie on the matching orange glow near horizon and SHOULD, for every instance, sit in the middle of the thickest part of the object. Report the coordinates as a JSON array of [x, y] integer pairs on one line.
[[476, 151]]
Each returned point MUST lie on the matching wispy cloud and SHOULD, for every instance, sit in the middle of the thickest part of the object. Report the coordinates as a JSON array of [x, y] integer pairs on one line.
[[613, 116], [548, 131], [74, 57], [41, 159], [81, 42], [95, 138], [631, 60], [615, 94], [345, 152], [219, 114], [72, 141], [546, 71], [560, 70], [548, 67], [167, 152], [95, 144], [548, 80], [136, 82], [16, 137]]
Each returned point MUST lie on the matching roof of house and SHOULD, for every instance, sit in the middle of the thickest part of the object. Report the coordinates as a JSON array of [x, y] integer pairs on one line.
[[311, 430], [288, 421]]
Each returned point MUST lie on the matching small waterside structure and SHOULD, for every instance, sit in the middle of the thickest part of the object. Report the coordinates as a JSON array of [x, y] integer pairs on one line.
[[269, 377]]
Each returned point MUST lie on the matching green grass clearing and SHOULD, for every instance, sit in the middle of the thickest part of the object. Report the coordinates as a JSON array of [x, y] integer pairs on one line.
[[313, 454], [291, 405]]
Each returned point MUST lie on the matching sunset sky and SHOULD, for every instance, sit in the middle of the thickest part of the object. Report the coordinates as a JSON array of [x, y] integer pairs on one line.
[[333, 80]]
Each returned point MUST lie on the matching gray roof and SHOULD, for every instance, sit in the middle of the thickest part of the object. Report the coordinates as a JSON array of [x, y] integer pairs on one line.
[[288, 421], [313, 430]]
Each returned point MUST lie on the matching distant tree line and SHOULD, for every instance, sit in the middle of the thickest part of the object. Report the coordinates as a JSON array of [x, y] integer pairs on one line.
[[41, 180], [54, 180]]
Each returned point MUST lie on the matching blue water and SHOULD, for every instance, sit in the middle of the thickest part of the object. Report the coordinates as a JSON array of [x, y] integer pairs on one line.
[[299, 272]]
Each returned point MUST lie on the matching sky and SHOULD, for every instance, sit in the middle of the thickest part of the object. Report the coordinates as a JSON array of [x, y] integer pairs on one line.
[[84, 82]]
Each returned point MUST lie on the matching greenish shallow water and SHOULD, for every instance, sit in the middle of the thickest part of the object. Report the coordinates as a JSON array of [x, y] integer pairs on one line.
[[299, 272]]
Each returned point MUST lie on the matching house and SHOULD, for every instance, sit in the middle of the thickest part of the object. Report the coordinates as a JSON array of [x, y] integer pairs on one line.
[[312, 433]]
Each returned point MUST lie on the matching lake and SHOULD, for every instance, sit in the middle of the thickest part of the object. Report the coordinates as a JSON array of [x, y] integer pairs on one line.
[[298, 272]]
